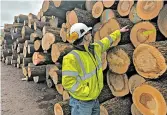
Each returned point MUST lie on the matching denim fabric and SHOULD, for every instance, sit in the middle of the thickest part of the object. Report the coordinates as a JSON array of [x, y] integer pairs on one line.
[[84, 107]]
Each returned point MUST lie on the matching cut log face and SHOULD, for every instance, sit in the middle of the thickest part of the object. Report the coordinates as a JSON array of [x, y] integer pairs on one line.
[[55, 75], [151, 97], [116, 106], [26, 31], [108, 3], [39, 58], [25, 71], [135, 81], [62, 108], [133, 15], [118, 60], [143, 32], [134, 110], [38, 45], [59, 89], [148, 10], [59, 50], [150, 59], [97, 9], [106, 15], [66, 95], [118, 84], [162, 20], [124, 7]]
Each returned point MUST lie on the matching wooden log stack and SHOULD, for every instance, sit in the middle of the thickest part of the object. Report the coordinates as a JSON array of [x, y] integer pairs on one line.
[[135, 68]]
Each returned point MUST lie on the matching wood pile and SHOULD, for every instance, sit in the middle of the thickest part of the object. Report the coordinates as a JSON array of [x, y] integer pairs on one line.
[[135, 69]]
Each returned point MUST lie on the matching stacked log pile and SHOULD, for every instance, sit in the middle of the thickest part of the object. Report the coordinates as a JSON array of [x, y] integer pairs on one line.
[[134, 67]]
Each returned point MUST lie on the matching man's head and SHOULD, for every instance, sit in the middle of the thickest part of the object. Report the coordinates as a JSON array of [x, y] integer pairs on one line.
[[80, 34]]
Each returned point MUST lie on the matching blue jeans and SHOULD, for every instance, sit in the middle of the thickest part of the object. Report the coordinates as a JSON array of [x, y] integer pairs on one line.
[[84, 107]]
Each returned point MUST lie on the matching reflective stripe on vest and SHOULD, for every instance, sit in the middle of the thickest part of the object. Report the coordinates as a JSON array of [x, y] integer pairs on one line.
[[109, 37], [101, 44]]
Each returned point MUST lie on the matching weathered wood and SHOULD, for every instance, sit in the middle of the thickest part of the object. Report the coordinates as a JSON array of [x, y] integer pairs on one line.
[[39, 79], [19, 66], [7, 35], [15, 35], [21, 18], [6, 52], [56, 22], [49, 29], [7, 27], [27, 42], [46, 18], [26, 61], [25, 52], [38, 45]]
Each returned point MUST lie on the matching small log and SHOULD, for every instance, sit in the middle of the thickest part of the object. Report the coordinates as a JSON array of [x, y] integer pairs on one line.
[[59, 88], [97, 9], [21, 18], [39, 58], [14, 55], [31, 48], [31, 16], [50, 83], [81, 16], [26, 31], [116, 106], [8, 60], [15, 45], [124, 7], [134, 110], [107, 3], [66, 95], [62, 108], [20, 58], [37, 35], [36, 70], [151, 97], [3, 59], [39, 79], [59, 50], [20, 48], [26, 61], [7, 35], [40, 25], [27, 42], [18, 30], [56, 75], [38, 45], [96, 28], [7, 27], [162, 20], [148, 10], [135, 81], [118, 84], [17, 25], [150, 59]]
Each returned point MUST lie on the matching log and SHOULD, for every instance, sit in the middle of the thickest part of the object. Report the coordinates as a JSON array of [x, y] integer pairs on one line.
[[16, 35], [124, 7], [19, 65], [3, 59], [48, 39], [50, 83], [26, 61], [49, 29], [25, 71], [62, 108], [116, 106], [150, 59], [46, 18], [7, 35], [39, 79], [97, 9], [107, 3], [66, 95], [119, 59], [89, 5], [20, 58], [134, 110], [31, 16], [59, 50], [81, 16], [6, 46], [14, 55], [37, 35], [26, 31], [56, 75], [8, 41], [7, 27], [40, 25], [135, 81], [151, 97], [162, 17], [25, 52], [143, 32], [39, 58], [17, 25], [59, 88], [106, 29], [133, 15], [118, 84], [13, 62], [6, 52], [63, 34], [148, 10], [27, 42], [15, 45], [56, 22], [49, 69], [18, 30], [20, 48], [8, 60], [21, 18], [36, 70], [96, 28], [31, 48], [38, 45]]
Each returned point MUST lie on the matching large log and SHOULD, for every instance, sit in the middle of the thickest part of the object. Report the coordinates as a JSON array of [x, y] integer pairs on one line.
[[119, 59], [150, 59], [26, 61], [81, 16], [118, 84], [26, 31], [36, 70], [38, 45], [162, 17], [151, 97], [59, 50], [62, 108], [39, 58], [116, 106]]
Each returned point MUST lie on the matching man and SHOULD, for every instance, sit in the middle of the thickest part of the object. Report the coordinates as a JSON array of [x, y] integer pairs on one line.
[[82, 73]]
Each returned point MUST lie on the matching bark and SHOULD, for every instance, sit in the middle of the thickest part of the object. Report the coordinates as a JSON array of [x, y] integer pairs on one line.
[[20, 48], [40, 25], [39, 79], [36, 70], [26, 61], [20, 58], [26, 31], [38, 45], [62, 107], [50, 83], [31, 49]]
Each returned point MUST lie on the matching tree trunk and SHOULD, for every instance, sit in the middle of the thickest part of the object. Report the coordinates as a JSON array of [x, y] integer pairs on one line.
[[150, 59], [59, 50], [151, 97], [62, 108], [116, 106], [39, 79], [26, 31], [38, 45], [26, 61], [119, 59], [40, 25], [36, 70], [118, 84], [97, 9], [39, 58], [31, 49], [20, 58]]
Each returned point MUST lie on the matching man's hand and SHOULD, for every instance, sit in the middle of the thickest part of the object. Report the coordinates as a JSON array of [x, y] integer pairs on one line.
[[124, 29]]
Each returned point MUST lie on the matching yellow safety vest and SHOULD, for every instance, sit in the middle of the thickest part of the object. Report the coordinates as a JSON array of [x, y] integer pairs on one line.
[[82, 73]]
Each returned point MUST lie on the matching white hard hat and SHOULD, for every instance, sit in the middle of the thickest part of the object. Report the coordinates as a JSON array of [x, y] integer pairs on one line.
[[80, 28]]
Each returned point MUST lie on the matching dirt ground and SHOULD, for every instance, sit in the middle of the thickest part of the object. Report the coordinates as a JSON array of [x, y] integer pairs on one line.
[[25, 98]]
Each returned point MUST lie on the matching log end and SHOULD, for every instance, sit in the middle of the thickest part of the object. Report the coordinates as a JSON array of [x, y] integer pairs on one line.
[[58, 109], [108, 3], [97, 9], [47, 40]]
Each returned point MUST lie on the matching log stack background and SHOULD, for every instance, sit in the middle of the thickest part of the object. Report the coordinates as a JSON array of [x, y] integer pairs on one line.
[[135, 74]]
